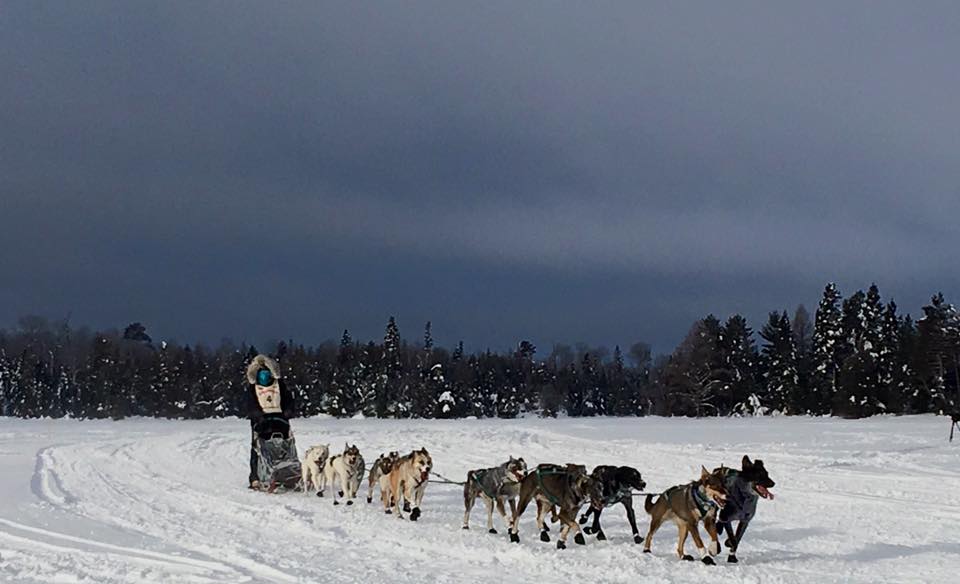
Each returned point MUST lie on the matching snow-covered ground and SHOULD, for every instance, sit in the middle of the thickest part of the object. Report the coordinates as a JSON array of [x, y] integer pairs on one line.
[[159, 501]]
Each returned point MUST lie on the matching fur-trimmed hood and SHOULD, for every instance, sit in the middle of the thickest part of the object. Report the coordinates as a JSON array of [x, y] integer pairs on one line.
[[259, 362]]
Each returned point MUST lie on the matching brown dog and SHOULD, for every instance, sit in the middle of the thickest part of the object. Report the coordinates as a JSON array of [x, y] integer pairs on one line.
[[554, 487], [688, 505], [379, 474]]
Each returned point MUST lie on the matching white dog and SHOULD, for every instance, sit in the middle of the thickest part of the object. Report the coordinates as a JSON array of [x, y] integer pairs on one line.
[[348, 468], [313, 462]]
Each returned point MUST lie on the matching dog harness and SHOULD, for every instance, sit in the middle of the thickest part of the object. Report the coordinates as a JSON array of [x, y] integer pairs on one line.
[[553, 500], [477, 476], [703, 504]]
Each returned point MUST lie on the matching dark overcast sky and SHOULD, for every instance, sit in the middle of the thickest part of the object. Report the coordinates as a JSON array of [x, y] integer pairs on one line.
[[603, 173]]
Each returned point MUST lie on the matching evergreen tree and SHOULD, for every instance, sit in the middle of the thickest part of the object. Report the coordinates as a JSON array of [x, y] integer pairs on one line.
[[939, 345], [858, 380], [780, 365], [825, 363], [741, 361]]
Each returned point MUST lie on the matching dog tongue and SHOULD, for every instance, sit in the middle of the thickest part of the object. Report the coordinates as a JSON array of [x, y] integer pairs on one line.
[[764, 492]]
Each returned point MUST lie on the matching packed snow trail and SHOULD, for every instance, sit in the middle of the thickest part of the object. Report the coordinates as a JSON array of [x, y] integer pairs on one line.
[[161, 501]]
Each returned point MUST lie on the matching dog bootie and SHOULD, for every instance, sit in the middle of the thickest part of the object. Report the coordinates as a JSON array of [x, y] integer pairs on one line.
[[544, 536], [578, 539]]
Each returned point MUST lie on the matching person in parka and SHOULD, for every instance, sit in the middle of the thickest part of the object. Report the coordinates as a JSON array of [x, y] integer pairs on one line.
[[268, 401]]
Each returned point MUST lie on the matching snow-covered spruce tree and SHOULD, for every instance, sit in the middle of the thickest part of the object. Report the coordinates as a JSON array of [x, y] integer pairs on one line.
[[893, 364], [779, 364], [803, 340], [695, 376], [857, 392], [741, 361], [391, 397], [593, 401], [827, 335], [342, 398], [621, 400], [938, 344], [371, 382], [523, 376]]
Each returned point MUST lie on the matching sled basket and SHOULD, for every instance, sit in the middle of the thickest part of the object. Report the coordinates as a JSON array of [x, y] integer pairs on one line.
[[277, 462]]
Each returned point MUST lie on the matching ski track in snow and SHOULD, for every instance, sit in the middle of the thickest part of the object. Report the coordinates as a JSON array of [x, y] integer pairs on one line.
[[161, 501]]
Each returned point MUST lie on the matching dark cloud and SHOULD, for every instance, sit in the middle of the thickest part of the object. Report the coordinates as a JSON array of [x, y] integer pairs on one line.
[[603, 173]]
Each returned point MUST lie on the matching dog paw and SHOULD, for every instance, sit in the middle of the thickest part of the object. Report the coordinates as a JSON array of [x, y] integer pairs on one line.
[[561, 545], [638, 539], [732, 559], [544, 536], [339, 493], [514, 538], [415, 514], [369, 499], [708, 561], [336, 502], [578, 539], [320, 493], [601, 536], [647, 551], [492, 530], [583, 519], [350, 502], [728, 543], [588, 530], [406, 506], [687, 558], [546, 527], [388, 511]]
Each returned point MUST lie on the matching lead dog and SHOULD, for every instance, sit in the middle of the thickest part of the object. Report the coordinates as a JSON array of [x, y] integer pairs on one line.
[[495, 485], [617, 484], [379, 473], [313, 463], [744, 489], [688, 505], [408, 480], [348, 467], [554, 486]]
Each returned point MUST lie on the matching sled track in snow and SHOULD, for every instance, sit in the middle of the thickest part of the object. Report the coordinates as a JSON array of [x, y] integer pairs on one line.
[[151, 501]]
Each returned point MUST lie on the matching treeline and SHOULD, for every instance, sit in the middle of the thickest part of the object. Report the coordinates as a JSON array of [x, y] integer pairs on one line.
[[856, 357]]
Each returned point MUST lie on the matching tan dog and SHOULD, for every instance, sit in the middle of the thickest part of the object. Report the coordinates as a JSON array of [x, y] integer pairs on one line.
[[379, 475], [408, 480], [312, 473], [688, 505]]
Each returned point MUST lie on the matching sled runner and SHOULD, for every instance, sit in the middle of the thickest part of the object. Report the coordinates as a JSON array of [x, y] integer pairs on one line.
[[277, 462]]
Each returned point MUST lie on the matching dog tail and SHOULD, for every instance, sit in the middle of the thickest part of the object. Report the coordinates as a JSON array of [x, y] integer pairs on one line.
[[648, 504]]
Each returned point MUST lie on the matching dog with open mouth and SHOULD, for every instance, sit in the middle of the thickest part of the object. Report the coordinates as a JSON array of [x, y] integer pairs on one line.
[[408, 481], [744, 488], [688, 505], [495, 485]]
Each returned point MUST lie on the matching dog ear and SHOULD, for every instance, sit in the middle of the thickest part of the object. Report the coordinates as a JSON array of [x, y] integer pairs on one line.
[[703, 473], [746, 462]]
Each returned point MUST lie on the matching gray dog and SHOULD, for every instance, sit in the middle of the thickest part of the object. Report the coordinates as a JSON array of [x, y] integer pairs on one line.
[[495, 485]]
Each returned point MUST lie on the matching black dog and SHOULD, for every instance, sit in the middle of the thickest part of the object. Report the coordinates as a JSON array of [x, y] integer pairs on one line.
[[744, 489], [618, 483]]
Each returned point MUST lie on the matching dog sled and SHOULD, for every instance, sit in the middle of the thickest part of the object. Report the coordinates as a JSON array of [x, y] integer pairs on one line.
[[278, 466]]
